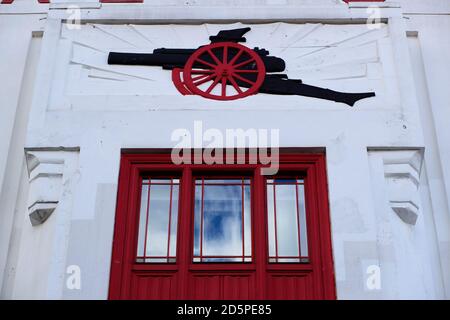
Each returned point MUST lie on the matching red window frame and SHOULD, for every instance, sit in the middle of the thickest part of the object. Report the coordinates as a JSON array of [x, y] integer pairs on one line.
[[135, 165]]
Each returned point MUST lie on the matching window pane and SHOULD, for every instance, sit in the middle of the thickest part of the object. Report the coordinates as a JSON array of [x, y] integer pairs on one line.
[[158, 221], [222, 222], [286, 220]]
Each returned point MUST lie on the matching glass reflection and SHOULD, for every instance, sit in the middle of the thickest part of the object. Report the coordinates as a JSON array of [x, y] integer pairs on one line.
[[222, 222], [158, 221], [287, 229]]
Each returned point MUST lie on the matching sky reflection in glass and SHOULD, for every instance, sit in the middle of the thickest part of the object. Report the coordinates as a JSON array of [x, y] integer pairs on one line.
[[156, 239], [223, 232], [287, 229]]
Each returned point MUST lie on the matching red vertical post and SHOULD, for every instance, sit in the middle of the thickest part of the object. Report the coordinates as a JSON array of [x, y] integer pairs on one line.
[[170, 220], [298, 219], [185, 228], [201, 220], [242, 219], [146, 219], [275, 220]]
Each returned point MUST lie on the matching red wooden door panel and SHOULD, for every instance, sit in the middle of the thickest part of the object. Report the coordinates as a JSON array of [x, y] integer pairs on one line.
[[151, 286], [221, 231], [222, 285], [290, 287]]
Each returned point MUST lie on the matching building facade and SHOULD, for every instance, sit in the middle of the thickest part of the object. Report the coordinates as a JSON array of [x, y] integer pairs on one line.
[[96, 204]]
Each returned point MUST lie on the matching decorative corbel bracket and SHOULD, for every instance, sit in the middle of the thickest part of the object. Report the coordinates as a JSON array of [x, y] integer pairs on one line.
[[46, 169], [402, 169]]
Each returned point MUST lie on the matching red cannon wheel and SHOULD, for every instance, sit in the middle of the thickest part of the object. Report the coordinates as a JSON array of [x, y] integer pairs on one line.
[[224, 71]]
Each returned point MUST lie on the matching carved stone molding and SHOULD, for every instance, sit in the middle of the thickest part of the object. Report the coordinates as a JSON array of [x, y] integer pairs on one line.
[[46, 170], [402, 169]]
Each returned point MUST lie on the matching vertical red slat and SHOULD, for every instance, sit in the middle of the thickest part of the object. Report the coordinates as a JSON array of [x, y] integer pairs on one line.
[[259, 239], [298, 218], [275, 220], [146, 219], [170, 220], [242, 220], [201, 221], [184, 235]]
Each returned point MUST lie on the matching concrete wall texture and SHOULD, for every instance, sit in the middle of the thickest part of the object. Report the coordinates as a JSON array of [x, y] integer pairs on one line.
[[66, 114]]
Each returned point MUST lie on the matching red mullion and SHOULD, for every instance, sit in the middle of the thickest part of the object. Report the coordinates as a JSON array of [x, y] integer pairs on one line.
[[146, 219], [275, 221], [242, 220], [170, 219], [184, 234], [259, 232], [201, 220], [298, 220]]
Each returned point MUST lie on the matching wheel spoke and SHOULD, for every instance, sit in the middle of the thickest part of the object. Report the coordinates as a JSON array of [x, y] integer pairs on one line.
[[235, 85], [213, 85], [225, 54], [216, 60], [202, 76], [243, 79], [236, 57], [208, 78], [245, 71], [207, 71], [206, 63], [224, 86], [243, 63]]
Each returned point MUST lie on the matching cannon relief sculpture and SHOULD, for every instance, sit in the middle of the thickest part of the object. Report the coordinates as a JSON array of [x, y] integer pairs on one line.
[[228, 70]]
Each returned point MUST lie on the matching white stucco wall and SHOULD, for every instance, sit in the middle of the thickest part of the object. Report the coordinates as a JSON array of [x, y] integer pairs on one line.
[[76, 104]]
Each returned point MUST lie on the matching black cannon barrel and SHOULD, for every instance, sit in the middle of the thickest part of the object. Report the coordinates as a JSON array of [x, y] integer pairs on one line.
[[177, 58], [149, 59]]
